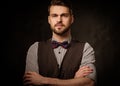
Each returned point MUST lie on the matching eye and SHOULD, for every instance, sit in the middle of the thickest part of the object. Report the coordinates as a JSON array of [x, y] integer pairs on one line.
[[65, 15], [53, 15]]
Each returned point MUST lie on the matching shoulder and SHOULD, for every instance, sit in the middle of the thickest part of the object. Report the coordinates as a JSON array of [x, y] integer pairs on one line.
[[33, 46], [88, 45]]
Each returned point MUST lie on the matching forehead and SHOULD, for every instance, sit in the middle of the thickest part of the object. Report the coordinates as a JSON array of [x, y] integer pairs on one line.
[[58, 9]]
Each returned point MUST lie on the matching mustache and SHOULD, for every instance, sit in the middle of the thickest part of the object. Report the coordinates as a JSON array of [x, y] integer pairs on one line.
[[59, 24]]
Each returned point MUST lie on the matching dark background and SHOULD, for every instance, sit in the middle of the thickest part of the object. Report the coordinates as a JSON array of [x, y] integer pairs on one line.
[[95, 21]]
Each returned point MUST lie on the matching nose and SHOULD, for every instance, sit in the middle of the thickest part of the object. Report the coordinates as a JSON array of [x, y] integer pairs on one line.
[[59, 19]]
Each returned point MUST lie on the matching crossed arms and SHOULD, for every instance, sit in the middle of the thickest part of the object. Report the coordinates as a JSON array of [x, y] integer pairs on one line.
[[80, 79]]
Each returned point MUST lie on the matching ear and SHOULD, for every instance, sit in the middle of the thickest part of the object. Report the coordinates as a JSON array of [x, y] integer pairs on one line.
[[72, 19], [49, 19]]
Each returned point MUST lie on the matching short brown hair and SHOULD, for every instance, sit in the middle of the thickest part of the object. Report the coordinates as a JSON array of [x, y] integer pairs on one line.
[[66, 3]]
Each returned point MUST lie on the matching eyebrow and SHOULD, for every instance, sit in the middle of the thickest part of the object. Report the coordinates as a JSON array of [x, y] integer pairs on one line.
[[60, 14]]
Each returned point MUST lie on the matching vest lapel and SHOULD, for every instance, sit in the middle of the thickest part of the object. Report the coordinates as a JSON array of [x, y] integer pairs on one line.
[[51, 52]]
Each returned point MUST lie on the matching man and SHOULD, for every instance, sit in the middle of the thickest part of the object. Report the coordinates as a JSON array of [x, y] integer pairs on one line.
[[60, 63]]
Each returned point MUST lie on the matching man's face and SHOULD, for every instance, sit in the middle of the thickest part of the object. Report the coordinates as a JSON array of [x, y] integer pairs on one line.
[[60, 19]]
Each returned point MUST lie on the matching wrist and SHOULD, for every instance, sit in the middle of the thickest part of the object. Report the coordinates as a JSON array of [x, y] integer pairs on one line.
[[50, 81], [45, 80]]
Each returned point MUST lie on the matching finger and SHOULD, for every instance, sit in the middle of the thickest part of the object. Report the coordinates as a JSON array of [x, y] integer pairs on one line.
[[83, 67], [27, 76], [81, 71], [86, 68], [28, 83], [27, 79], [88, 71], [29, 72]]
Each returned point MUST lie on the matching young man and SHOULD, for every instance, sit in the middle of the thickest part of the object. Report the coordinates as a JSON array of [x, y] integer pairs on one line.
[[61, 60]]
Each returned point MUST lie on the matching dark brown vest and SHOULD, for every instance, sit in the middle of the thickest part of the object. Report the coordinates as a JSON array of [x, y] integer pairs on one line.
[[48, 65]]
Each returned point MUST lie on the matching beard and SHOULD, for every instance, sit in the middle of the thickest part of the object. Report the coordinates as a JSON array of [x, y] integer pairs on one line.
[[60, 32]]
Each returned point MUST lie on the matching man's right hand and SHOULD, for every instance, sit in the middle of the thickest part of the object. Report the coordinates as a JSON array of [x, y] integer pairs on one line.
[[83, 71]]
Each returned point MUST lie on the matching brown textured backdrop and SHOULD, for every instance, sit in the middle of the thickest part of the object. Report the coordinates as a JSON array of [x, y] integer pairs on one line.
[[95, 21]]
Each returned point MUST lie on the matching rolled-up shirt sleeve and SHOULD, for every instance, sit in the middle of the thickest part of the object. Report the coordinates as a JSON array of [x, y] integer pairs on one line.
[[88, 59], [31, 58]]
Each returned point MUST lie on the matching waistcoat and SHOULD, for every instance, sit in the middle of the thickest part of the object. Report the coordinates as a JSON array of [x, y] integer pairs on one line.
[[48, 65]]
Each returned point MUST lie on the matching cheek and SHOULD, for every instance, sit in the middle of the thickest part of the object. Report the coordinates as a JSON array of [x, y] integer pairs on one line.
[[68, 22], [52, 22]]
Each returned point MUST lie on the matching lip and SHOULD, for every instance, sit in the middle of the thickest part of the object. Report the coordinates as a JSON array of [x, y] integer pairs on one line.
[[59, 25]]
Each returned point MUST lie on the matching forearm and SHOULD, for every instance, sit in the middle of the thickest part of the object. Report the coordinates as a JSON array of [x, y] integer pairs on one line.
[[69, 82]]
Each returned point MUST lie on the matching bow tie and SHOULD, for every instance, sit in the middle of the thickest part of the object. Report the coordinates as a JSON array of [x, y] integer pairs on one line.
[[64, 44]]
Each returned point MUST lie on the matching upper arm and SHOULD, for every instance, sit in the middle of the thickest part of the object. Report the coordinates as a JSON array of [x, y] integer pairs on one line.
[[88, 59], [31, 58]]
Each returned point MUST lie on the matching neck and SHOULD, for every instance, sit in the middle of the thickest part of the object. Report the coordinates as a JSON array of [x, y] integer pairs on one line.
[[61, 38]]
